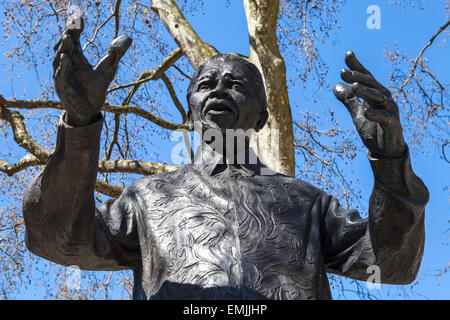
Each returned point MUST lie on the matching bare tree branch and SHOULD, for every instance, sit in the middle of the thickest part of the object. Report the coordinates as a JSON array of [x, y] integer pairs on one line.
[[180, 108], [419, 57], [443, 150], [147, 75], [174, 97], [96, 32], [116, 18], [330, 166], [104, 166], [145, 114], [29, 104], [114, 140], [132, 166], [39, 104], [182, 32], [181, 72], [39, 156], [21, 135], [151, 74], [108, 189], [26, 162]]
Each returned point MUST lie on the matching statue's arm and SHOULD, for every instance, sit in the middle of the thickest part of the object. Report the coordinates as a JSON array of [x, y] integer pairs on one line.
[[393, 235], [392, 238], [62, 223]]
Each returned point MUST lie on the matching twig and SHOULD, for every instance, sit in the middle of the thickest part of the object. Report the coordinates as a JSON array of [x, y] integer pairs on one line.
[[96, 32], [174, 97], [144, 77], [419, 57], [180, 108], [443, 150], [151, 74], [117, 16], [329, 165], [181, 71]]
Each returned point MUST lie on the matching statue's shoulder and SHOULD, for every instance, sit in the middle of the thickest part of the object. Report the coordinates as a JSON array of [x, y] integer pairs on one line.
[[292, 185], [156, 181]]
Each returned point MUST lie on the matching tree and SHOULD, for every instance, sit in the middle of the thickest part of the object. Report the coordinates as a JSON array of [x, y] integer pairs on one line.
[[163, 35]]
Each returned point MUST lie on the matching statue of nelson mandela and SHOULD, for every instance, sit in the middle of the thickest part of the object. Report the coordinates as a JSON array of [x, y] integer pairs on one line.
[[220, 228]]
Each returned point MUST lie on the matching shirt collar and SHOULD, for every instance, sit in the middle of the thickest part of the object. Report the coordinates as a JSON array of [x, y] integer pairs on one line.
[[212, 162]]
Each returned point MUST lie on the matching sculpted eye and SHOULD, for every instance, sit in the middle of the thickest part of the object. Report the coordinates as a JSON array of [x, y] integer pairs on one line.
[[237, 85], [204, 86]]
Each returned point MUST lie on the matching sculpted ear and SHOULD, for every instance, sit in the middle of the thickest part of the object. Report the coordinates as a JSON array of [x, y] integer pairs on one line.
[[262, 122]]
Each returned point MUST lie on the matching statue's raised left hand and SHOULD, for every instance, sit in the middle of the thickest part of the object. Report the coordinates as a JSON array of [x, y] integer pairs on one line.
[[376, 116], [80, 86]]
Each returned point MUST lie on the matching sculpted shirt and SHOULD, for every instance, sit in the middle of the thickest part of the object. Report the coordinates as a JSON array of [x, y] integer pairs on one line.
[[212, 230]]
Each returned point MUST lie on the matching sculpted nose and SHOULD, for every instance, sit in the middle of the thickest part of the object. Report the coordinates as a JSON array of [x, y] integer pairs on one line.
[[219, 91]]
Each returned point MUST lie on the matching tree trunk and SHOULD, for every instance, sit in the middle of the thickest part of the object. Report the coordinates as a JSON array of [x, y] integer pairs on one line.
[[274, 144]]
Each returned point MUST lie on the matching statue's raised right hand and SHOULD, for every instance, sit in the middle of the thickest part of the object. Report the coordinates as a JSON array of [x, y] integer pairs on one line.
[[81, 87]]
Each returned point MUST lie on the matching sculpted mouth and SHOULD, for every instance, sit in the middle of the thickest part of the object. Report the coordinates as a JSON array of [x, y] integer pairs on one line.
[[217, 107]]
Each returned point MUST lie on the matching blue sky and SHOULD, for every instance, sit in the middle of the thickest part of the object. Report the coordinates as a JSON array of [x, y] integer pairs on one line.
[[225, 28]]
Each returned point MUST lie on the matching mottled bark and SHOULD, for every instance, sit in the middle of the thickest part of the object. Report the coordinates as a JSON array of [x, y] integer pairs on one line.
[[276, 152], [26, 162], [131, 166], [181, 31]]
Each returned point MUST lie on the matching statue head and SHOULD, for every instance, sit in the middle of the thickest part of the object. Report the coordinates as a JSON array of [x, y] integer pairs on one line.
[[227, 92]]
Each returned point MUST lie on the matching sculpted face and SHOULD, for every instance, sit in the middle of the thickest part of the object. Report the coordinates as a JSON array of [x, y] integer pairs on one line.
[[225, 96]]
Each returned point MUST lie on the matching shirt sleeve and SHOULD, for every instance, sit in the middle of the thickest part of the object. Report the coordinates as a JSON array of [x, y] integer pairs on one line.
[[62, 223], [391, 238]]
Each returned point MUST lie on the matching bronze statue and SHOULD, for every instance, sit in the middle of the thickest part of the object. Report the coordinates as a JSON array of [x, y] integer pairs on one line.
[[219, 228]]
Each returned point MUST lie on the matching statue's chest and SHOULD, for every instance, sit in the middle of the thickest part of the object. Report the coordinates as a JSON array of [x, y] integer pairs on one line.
[[222, 232]]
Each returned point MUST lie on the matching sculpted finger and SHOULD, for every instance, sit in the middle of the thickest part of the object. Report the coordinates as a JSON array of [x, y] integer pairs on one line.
[[344, 94], [63, 70], [56, 60], [116, 51], [58, 43], [66, 46], [365, 79], [61, 78], [73, 30], [378, 115], [369, 94], [354, 64]]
